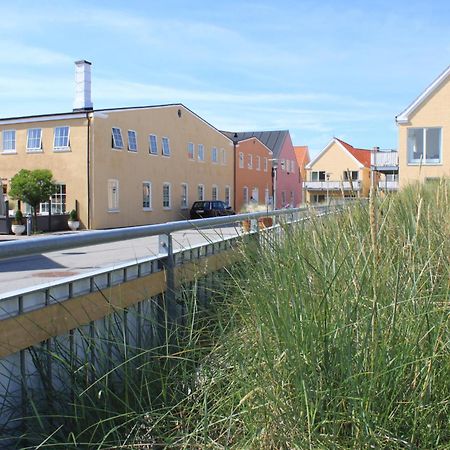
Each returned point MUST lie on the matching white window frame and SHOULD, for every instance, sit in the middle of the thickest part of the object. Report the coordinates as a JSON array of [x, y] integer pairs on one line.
[[147, 184], [165, 149], [202, 188], [169, 185], [214, 155], [315, 175], [283, 165], [113, 198], [227, 197], [13, 141], [201, 152], [424, 160], [224, 156], [250, 161], [65, 147], [258, 162], [117, 145], [241, 160], [266, 164], [184, 196], [132, 133], [191, 151], [152, 149], [37, 148], [215, 196], [245, 195], [59, 201]]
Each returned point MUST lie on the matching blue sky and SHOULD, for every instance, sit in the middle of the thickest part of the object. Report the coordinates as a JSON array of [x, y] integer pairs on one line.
[[319, 69]]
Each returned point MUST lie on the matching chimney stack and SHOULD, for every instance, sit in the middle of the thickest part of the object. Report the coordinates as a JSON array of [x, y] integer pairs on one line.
[[83, 100]]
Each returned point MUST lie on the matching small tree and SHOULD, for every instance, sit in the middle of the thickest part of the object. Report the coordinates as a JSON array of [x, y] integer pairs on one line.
[[33, 187]]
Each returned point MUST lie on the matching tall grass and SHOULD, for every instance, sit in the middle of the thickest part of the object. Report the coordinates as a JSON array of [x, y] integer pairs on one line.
[[336, 336], [339, 340]]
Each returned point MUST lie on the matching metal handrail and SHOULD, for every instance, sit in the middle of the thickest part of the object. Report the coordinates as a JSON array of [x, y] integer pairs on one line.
[[63, 242]]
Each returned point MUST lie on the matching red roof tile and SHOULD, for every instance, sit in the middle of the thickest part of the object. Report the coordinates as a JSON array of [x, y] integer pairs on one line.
[[361, 154]]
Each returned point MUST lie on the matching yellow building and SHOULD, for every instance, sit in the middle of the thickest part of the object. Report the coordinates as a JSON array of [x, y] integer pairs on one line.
[[339, 170], [123, 166], [424, 134]]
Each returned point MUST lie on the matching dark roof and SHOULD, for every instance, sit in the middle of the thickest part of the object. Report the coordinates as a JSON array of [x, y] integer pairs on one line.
[[272, 139]]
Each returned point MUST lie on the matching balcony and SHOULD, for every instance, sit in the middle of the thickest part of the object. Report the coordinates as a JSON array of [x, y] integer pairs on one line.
[[385, 161], [388, 185], [330, 185]]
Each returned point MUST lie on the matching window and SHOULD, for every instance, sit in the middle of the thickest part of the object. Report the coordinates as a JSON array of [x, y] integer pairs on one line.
[[241, 160], [9, 141], [34, 139], [292, 200], [200, 192], [214, 155], [190, 150], [224, 156], [146, 195], [424, 145], [152, 144], [61, 138], [184, 196], [350, 175], [245, 194], [215, 192], [250, 162], [318, 176], [58, 201], [318, 198], [166, 200], [266, 196], [227, 196], [117, 141], [132, 141], [113, 195], [165, 146], [283, 165], [201, 152], [258, 163], [255, 195], [266, 164], [288, 166]]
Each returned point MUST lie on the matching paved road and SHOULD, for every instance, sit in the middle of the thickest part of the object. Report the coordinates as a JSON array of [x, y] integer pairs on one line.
[[22, 272]]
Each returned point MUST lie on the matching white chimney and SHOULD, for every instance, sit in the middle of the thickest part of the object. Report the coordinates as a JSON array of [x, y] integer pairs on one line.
[[83, 100]]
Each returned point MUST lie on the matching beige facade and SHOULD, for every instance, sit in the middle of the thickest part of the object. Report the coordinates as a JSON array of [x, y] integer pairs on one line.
[[424, 134], [124, 186], [337, 172]]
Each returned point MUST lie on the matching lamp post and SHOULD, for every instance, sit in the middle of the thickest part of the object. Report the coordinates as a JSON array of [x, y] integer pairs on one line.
[[327, 175], [274, 182]]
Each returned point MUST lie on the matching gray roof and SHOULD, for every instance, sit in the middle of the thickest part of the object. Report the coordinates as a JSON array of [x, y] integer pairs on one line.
[[272, 139]]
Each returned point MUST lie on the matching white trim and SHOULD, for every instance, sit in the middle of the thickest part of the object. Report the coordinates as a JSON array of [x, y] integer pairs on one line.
[[128, 141], [65, 148], [404, 116], [34, 149], [167, 208], [214, 186], [33, 119], [110, 182], [262, 143], [187, 196], [147, 208], [203, 192], [334, 140], [150, 144], [162, 146], [9, 151]]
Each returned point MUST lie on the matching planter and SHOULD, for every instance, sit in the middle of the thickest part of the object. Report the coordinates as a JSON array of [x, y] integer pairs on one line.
[[17, 229], [73, 224], [265, 222]]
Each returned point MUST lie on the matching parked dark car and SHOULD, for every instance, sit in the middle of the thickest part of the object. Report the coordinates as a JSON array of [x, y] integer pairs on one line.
[[210, 208]]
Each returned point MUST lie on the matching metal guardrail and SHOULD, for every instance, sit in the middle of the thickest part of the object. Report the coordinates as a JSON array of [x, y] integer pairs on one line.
[[47, 244]]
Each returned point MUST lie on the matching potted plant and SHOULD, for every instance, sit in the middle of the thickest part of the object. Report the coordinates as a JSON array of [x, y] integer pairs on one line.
[[17, 226], [73, 221]]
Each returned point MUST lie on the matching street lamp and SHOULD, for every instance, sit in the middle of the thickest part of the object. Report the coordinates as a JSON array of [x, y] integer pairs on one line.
[[327, 175], [274, 181]]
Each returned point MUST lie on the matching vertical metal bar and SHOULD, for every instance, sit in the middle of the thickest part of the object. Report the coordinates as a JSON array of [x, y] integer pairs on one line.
[[23, 375], [170, 277]]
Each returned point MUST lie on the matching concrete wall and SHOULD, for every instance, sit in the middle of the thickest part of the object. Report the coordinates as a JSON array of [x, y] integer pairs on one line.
[[68, 167], [131, 169], [434, 112]]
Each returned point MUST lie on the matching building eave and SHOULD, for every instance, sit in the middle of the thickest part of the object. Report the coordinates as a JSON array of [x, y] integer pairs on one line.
[[404, 116]]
